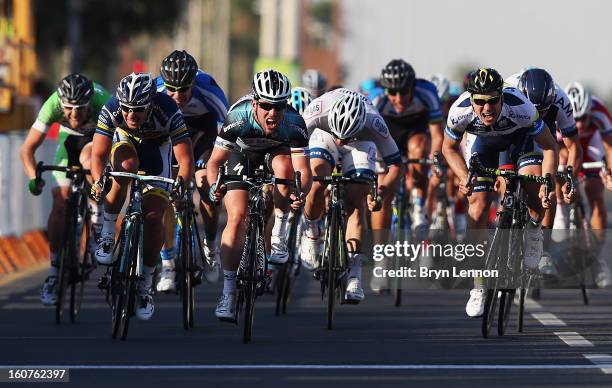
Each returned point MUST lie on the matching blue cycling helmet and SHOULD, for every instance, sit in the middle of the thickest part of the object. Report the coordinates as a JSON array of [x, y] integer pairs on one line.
[[136, 90], [299, 99]]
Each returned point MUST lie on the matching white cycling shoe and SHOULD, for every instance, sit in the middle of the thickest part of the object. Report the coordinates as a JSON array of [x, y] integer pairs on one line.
[[106, 246], [475, 306], [212, 268], [167, 281], [226, 307], [534, 245], [354, 292], [144, 299]]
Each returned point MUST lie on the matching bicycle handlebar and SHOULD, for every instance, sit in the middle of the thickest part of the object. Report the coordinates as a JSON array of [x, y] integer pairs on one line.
[[70, 170]]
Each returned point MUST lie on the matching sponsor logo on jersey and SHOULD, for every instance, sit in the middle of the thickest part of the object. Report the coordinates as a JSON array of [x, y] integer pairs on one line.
[[299, 129], [314, 108], [503, 124], [380, 127], [566, 108], [233, 125], [457, 119], [514, 115]]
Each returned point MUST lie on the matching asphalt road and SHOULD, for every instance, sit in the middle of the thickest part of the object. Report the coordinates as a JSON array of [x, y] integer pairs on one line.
[[428, 341]]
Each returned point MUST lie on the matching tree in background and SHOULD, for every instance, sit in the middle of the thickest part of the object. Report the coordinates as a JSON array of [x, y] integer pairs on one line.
[[106, 25]]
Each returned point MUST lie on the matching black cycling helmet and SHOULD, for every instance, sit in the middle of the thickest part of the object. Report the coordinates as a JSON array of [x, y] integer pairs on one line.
[[179, 69], [398, 75], [485, 80], [538, 86], [75, 89]]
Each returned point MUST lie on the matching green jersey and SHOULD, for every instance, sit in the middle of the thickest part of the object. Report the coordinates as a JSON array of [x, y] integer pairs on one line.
[[52, 112]]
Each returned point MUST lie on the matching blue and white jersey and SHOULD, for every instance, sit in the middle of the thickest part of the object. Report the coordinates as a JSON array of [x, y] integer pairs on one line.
[[517, 113], [560, 115], [164, 122], [423, 109], [207, 103], [374, 129]]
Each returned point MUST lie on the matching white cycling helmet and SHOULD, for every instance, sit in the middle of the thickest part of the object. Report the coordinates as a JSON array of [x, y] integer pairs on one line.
[[347, 116], [271, 86], [442, 85], [580, 98]]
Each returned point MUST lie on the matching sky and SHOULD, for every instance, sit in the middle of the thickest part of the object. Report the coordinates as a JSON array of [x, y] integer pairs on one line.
[[570, 39]]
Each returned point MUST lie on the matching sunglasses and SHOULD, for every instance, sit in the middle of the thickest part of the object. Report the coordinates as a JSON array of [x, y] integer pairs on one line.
[[269, 106], [72, 107], [395, 92], [179, 89], [134, 109], [482, 101]]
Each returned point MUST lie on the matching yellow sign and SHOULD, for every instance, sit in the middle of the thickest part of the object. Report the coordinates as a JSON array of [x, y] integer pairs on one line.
[[6, 28], [288, 68]]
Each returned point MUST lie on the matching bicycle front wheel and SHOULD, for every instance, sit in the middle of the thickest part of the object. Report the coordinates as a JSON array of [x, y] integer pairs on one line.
[[84, 263], [250, 281]]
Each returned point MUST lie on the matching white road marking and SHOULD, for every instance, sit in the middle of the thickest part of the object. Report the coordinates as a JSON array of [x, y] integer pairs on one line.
[[573, 339], [548, 319], [602, 360]]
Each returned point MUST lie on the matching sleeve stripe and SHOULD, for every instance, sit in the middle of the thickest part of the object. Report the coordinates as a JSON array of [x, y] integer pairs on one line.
[[453, 134]]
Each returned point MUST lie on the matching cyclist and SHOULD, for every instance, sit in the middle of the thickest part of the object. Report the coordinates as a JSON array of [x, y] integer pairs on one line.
[[554, 108], [345, 125], [314, 81], [594, 126], [137, 130], [299, 99], [508, 130], [261, 128], [204, 108], [410, 107], [75, 105]]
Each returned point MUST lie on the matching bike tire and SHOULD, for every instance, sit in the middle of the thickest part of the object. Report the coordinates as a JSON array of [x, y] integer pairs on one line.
[[492, 260], [186, 259], [83, 264], [250, 284], [332, 281], [280, 285], [130, 296], [66, 255], [521, 310], [505, 305]]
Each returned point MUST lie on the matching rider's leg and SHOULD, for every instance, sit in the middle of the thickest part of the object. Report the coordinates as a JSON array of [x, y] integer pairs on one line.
[[283, 169], [594, 188], [418, 148]]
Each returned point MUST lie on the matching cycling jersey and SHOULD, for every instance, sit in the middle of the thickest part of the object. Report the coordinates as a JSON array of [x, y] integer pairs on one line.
[[423, 110], [509, 142], [241, 131], [52, 112], [560, 116], [600, 120], [517, 114], [207, 104], [165, 121], [374, 129]]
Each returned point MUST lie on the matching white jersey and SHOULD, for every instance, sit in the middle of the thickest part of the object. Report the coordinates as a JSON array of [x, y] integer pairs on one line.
[[374, 130], [517, 113], [560, 116]]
